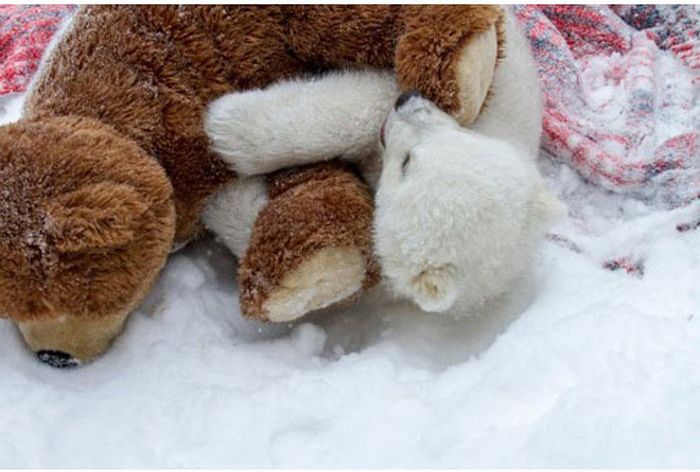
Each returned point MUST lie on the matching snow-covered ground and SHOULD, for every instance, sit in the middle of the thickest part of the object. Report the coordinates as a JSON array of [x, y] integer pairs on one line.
[[582, 366]]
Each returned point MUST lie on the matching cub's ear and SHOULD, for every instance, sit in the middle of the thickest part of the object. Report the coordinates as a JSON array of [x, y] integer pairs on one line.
[[95, 216], [435, 289]]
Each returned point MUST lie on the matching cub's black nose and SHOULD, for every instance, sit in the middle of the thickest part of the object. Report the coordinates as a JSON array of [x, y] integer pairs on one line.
[[404, 97], [57, 359]]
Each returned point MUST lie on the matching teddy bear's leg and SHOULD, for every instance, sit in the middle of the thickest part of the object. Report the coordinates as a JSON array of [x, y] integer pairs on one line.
[[331, 274], [449, 54], [86, 226], [310, 246]]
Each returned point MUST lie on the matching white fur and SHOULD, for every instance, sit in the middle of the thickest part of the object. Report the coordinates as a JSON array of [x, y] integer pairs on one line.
[[514, 112], [301, 121], [460, 220], [472, 239], [458, 213], [231, 213]]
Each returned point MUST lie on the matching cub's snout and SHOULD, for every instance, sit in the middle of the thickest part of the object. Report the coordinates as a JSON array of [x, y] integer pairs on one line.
[[405, 97]]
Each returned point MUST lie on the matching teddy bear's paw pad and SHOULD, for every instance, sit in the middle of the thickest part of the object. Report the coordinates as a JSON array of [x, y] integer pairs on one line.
[[435, 288], [329, 276], [58, 359], [475, 69]]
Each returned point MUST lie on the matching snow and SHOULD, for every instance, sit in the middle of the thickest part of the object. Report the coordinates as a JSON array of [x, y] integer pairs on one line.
[[580, 367]]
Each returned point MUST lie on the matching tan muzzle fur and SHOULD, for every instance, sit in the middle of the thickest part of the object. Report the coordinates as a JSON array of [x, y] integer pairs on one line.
[[83, 339]]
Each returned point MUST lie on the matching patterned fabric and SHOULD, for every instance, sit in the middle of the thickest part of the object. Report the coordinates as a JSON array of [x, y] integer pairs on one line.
[[25, 31], [621, 87]]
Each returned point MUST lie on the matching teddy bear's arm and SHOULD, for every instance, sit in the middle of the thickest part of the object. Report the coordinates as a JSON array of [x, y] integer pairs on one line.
[[301, 121], [449, 54], [446, 52]]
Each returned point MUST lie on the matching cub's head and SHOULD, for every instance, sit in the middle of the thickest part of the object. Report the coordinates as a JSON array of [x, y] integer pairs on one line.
[[457, 213], [86, 220]]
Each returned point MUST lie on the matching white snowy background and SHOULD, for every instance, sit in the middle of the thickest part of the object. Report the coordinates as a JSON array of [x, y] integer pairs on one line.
[[581, 366]]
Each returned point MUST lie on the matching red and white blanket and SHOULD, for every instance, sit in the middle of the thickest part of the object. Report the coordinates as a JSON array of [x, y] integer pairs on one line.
[[621, 87], [25, 31]]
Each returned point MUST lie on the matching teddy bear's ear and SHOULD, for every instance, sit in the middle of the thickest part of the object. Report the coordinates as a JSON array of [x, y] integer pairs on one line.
[[100, 215]]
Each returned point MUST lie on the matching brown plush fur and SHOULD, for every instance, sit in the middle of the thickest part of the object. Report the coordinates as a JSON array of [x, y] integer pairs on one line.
[[110, 163], [87, 219], [310, 208], [427, 54], [422, 42]]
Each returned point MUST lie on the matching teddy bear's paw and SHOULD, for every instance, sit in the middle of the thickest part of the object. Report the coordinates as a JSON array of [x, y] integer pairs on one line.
[[475, 68], [328, 277]]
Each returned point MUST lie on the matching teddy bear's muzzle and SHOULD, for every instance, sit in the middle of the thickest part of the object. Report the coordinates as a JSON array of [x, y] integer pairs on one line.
[[69, 341]]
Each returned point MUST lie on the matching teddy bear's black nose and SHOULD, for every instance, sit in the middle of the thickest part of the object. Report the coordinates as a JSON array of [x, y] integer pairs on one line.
[[405, 97], [57, 359]]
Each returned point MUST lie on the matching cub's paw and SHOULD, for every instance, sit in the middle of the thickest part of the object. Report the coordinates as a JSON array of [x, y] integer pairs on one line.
[[241, 132]]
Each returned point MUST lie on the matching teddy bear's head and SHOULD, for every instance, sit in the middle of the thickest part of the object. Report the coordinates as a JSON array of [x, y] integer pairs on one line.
[[86, 221]]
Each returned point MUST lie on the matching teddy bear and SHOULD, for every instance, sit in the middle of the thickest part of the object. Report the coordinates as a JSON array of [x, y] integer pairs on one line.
[[109, 167]]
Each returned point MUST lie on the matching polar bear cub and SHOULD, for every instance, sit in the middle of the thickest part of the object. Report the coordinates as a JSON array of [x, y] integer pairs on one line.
[[458, 211]]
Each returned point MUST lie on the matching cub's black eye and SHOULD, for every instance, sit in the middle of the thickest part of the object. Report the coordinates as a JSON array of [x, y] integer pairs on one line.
[[406, 161]]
